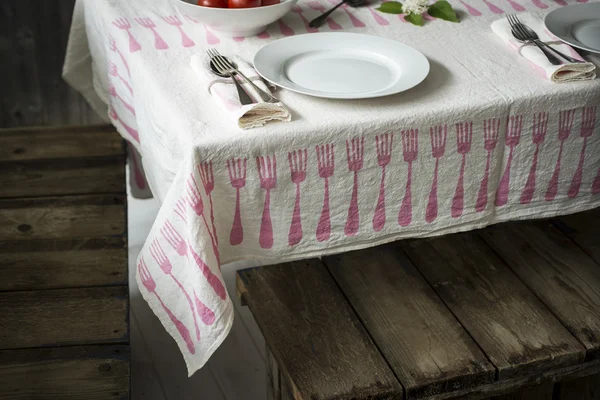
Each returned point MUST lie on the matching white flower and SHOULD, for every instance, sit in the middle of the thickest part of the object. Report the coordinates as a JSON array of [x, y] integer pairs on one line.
[[415, 6]]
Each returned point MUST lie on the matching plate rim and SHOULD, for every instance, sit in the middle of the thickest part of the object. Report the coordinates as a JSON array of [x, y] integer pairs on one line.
[[343, 96], [575, 42]]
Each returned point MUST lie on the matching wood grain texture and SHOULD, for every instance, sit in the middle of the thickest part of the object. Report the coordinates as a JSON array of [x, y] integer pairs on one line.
[[64, 317], [421, 340], [273, 378], [557, 271], [60, 142], [54, 264], [62, 217], [510, 324], [586, 388], [66, 373], [583, 229], [314, 335]]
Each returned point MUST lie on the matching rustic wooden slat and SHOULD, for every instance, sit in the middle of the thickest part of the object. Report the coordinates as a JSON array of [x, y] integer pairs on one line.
[[66, 373], [539, 392], [64, 316], [421, 340], [514, 329], [62, 177], [582, 228], [62, 217], [586, 388], [273, 378], [314, 335], [60, 142], [52, 264], [557, 271]]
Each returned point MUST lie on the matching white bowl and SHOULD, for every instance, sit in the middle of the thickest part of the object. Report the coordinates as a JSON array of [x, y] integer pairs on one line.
[[235, 22]]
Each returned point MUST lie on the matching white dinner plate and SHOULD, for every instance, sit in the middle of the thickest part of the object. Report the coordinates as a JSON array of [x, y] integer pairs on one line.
[[577, 25], [339, 65]]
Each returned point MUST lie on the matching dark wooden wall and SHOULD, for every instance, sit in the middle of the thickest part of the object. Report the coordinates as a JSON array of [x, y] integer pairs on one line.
[[33, 40]]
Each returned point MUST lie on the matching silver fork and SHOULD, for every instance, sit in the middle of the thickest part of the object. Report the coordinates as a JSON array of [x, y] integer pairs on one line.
[[225, 66], [244, 97]]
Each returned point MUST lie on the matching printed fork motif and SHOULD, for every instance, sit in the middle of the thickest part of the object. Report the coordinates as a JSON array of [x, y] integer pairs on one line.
[[115, 117], [493, 8], [464, 137], [540, 127], [205, 313], [516, 6], [491, 129], [267, 173], [124, 24], [113, 92], [588, 122], [596, 183], [378, 18], [355, 150], [112, 44], [472, 10], [180, 209], [410, 150], [176, 22], [326, 166], [315, 5], [298, 10], [159, 42], [113, 71], [355, 21], [513, 134], [237, 177], [383, 145], [150, 285], [165, 265], [298, 161], [539, 4], [565, 124], [208, 181], [285, 29], [438, 145], [194, 200], [174, 238]]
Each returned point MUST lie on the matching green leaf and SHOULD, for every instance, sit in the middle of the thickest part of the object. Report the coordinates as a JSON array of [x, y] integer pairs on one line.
[[415, 19], [391, 7], [443, 10]]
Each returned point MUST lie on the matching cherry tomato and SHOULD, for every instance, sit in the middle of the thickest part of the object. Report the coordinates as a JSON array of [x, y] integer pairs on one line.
[[213, 3], [243, 3], [270, 2]]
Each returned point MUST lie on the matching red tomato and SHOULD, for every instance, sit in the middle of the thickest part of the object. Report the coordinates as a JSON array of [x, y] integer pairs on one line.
[[270, 2], [243, 3], [213, 3]]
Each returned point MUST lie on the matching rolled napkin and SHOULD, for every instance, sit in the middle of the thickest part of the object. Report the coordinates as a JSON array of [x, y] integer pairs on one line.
[[224, 91], [567, 72]]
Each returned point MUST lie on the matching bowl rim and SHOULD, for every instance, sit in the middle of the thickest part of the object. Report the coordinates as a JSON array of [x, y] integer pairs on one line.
[[235, 9]]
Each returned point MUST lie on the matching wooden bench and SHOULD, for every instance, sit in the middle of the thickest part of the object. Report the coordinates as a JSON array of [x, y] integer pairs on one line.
[[508, 312], [64, 331]]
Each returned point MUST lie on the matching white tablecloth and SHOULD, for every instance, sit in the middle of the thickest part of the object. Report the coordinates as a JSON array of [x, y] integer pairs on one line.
[[483, 139]]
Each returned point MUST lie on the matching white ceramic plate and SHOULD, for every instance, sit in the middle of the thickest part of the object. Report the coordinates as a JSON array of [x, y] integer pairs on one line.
[[341, 65], [577, 25]]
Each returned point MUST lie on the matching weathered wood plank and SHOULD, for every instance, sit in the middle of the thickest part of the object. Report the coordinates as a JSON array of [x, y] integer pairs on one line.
[[557, 271], [273, 378], [314, 335], [62, 217], [68, 177], [52, 264], [69, 373], [586, 388], [422, 341], [583, 229], [64, 317], [510, 324], [539, 392], [60, 142]]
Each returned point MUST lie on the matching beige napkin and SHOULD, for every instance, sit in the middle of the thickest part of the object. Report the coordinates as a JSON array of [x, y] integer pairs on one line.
[[567, 72], [223, 90]]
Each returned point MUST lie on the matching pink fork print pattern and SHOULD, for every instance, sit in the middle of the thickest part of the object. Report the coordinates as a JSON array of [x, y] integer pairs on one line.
[[113, 71], [285, 29], [516, 6], [383, 145], [565, 124], [113, 92], [540, 127], [150, 285], [315, 5], [464, 137], [180, 209], [355, 21], [355, 151], [124, 24], [596, 183], [378, 18], [212, 279], [165, 265], [298, 161], [194, 200], [513, 134], [205, 313], [493, 8], [174, 239], [326, 166], [159, 42], [588, 122], [298, 10], [410, 150], [173, 20], [539, 4], [491, 130], [472, 10], [267, 173], [112, 44], [437, 135], [208, 181], [115, 117], [237, 177]]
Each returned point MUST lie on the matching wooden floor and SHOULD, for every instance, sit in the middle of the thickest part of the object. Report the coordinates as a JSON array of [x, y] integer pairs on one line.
[[511, 311], [64, 326]]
